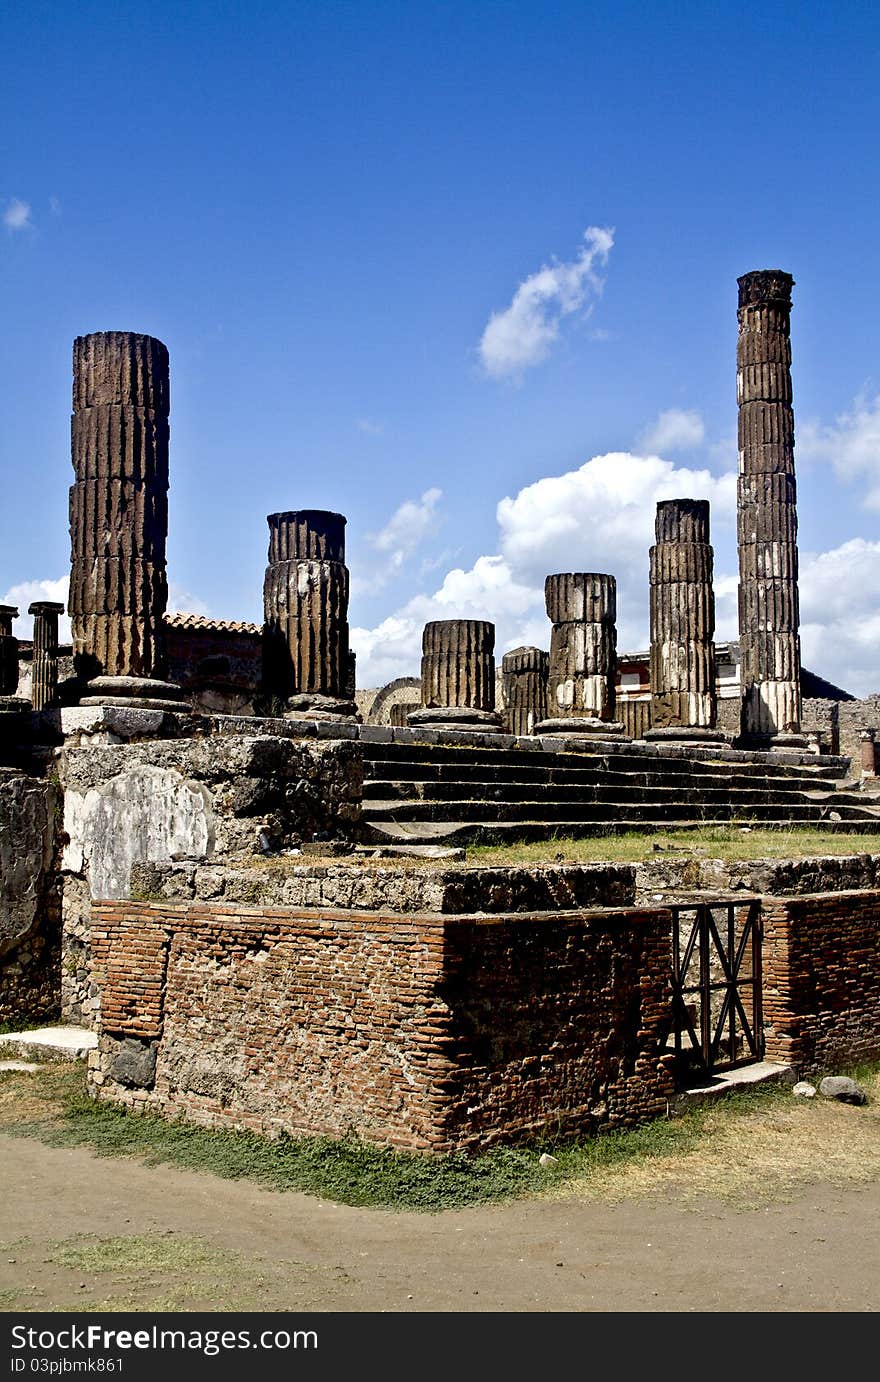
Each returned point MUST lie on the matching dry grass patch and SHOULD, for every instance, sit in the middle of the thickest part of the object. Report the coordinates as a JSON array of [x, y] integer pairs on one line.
[[759, 1155], [731, 843]]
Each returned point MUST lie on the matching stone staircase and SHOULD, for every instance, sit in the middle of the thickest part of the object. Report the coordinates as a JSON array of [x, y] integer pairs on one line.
[[457, 793]]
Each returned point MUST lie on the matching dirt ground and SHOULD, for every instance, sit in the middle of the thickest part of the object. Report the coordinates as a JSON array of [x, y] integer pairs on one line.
[[82, 1233]]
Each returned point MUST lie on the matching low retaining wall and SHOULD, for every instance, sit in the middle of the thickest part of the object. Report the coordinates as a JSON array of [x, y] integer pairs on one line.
[[822, 979], [418, 1031]]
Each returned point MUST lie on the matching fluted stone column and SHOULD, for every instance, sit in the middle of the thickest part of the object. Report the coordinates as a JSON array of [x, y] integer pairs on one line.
[[582, 607], [766, 511], [8, 651], [683, 700], [44, 666], [458, 676], [119, 518], [305, 600], [524, 681]]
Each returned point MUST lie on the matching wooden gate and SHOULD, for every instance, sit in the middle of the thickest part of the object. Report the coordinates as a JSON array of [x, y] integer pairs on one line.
[[716, 986]]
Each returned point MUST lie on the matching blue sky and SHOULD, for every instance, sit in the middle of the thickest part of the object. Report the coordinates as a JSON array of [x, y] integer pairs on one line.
[[464, 272]]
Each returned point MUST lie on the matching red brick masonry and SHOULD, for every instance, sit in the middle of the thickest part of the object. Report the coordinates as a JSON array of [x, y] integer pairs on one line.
[[421, 1031], [822, 979], [443, 1032]]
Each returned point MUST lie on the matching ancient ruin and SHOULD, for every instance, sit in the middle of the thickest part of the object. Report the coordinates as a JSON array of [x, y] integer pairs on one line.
[[119, 506], [582, 607], [458, 675], [682, 613], [446, 1006], [766, 509], [524, 673], [44, 683], [8, 651], [305, 601]]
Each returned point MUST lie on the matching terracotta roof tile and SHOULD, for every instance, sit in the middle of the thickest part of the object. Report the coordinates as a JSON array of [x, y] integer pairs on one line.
[[199, 621]]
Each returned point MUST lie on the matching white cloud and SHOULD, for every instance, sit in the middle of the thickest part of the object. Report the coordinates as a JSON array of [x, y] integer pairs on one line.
[[851, 445], [17, 215], [26, 593], [406, 529], [840, 615], [597, 518], [601, 516], [676, 429], [366, 424], [407, 526], [523, 334], [181, 601]]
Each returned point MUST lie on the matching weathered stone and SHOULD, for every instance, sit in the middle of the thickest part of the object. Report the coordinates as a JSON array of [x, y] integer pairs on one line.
[[27, 844], [306, 535], [44, 674], [458, 664], [454, 717], [118, 585], [134, 1063], [118, 504], [804, 1090], [583, 645], [120, 367], [580, 598], [114, 724], [524, 682], [144, 812], [119, 442], [682, 617], [118, 518], [767, 517], [844, 1089], [132, 641], [305, 601], [8, 651]]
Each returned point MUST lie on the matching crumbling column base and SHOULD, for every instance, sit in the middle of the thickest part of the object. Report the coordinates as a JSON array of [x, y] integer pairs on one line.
[[141, 693], [455, 717], [587, 726], [317, 707]]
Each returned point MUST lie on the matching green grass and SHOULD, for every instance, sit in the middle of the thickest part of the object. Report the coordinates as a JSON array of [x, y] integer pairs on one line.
[[353, 1172], [723, 842]]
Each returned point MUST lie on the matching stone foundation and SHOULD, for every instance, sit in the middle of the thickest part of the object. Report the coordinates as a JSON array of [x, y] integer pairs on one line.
[[416, 1031]]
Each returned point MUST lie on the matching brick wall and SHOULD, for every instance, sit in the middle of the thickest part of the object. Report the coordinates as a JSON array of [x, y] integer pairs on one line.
[[418, 1031], [822, 979]]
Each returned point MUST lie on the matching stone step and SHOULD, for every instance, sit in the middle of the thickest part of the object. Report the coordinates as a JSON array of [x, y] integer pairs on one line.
[[621, 758], [669, 808], [481, 789], [441, 770], [48, 1044], [524, 832]]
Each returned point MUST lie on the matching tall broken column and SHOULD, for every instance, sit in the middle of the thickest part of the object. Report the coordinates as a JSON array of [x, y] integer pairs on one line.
[[305, 601], [582, 607], [8, 651], [458, 676], [683, 703], [119, 516], [44, 664], [766, 510], [524, 682]]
